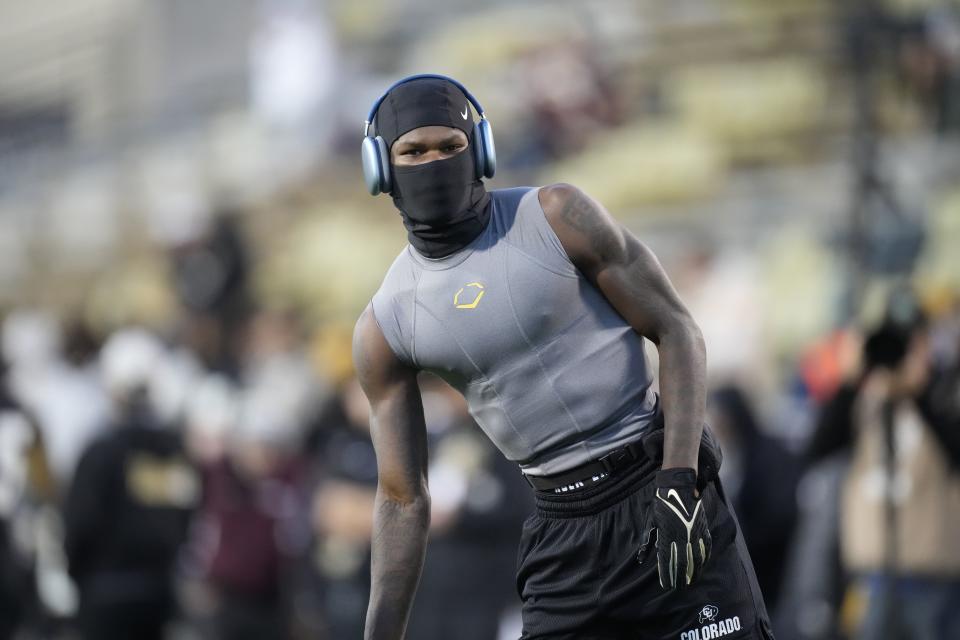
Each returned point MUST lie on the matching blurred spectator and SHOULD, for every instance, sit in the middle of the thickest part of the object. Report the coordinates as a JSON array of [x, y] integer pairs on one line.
[[837, 392], [343, 511], [940, 401], [55, 376], [812, 591], [250, 526], [277, 372], [760, 477], [212, 412], [815, 606], [571, 99], [128, 507], [722, 292], [210, 277], [930, 62], [901, 499], [24, 484], [814, 584], [478, 502]]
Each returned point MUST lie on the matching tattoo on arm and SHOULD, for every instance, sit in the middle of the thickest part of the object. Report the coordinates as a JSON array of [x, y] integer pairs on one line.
[[630, 277], [597, 240], [578, 213]]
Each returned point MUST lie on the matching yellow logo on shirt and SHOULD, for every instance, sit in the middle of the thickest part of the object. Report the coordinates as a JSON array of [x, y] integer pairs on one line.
[[461, 297], [161, 481]]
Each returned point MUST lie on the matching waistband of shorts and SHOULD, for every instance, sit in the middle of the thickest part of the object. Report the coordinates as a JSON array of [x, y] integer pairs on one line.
[[594, 499]]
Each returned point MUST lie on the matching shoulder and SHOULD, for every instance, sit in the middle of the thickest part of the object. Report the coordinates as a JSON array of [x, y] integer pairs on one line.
[[555, 197], [587, 231], [376, 363], [367, 342], [564, 203], [551, 199]]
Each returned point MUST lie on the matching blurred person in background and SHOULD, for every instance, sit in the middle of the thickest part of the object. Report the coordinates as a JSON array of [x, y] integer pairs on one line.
[[833, 426], [277, 371], [54, 375], [250, 525], [814, 584], [760, 476], [534, 303], [478, 504], [901, 498], [129, 504], [940, 402], [16, 572], [25, 485], [928, 54], [210, 413], [342, 510], [571, 99], [210, 270]]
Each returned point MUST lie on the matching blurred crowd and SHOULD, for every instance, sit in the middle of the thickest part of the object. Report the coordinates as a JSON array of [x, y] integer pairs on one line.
[[184, 449], [216, 480]]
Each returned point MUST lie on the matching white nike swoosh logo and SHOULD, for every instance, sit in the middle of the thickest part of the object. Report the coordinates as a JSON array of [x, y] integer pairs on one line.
[[686, 518], [676, 496], [464, 114]]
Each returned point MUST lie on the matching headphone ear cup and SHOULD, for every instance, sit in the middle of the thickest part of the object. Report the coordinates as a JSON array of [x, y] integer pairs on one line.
[[386, 175], [376, 165], [370, 157], [484, 153]]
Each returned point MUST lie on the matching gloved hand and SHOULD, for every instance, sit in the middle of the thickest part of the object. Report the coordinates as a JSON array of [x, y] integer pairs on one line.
[[679, 522], [708, 462]]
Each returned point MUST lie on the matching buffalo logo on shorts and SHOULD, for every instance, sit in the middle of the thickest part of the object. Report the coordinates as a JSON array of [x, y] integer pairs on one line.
[[708, 613]]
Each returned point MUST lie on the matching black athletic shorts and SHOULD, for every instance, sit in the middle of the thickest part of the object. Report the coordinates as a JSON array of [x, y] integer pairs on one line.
[[580, 579]]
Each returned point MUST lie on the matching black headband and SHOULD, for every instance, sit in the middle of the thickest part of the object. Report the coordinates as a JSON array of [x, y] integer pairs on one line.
[[420, 103]]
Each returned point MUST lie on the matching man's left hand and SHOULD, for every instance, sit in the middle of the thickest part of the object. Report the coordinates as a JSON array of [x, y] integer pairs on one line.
[[679, 521]]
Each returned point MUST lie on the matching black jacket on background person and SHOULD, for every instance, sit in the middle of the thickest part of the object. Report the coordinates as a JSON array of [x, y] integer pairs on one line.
[[940, 406], [126, 516]]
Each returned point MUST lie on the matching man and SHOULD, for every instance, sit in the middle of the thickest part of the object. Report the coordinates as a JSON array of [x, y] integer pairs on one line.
[[900, 507], [129, 505], [534, 303]]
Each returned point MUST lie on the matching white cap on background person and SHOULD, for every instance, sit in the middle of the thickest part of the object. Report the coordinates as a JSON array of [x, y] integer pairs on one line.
[[128, 361]]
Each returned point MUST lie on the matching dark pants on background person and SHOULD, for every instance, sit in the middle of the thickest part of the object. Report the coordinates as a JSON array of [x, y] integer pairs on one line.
[[925, 609], [244, 618], [140, 620], [580, 577], [124, 606]]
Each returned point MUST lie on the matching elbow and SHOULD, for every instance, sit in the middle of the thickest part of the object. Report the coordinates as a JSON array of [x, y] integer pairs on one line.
[[408, 497], [695, 336], [411, 509], [685, 333]]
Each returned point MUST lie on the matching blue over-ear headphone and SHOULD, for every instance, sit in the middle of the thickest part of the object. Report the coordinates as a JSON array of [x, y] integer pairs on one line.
[[376, 156]]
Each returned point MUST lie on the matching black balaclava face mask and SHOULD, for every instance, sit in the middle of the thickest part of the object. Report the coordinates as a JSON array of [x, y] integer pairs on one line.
[[443, 204]]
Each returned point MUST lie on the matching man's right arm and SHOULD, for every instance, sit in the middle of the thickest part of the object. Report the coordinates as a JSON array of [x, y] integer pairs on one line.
[[402, 508]]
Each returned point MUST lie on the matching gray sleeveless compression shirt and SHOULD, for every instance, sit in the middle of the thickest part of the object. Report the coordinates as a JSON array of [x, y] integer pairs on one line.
[[551, 372]]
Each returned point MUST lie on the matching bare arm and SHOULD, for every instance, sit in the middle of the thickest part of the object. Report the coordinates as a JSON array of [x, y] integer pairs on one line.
[[631, 278], [402, 507]]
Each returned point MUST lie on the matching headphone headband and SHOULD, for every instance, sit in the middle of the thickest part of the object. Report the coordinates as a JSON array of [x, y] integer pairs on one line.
[[436, 76], [375, 155]]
